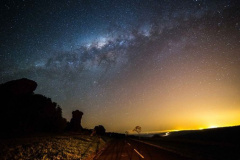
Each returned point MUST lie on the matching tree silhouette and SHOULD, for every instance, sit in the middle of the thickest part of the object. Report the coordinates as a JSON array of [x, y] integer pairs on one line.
[[99, 130], [137, 129]]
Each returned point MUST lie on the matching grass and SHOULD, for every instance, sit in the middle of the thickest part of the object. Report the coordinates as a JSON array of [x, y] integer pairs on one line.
[[50, 147]]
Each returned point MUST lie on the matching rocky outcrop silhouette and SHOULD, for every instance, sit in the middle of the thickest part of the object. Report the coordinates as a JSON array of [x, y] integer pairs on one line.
[[22, 111], [75, 123], [18, 87]]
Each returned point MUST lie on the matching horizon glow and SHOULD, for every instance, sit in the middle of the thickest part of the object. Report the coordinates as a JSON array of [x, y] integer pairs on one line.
[[160, 65]]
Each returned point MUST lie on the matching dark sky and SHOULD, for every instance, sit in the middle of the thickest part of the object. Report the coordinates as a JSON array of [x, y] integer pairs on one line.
[[158, 64]]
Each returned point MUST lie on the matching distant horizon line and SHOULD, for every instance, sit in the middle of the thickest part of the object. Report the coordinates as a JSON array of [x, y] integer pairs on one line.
[[178, 130]]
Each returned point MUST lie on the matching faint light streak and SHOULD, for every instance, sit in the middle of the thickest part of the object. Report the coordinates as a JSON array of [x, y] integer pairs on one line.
[[166, 134]]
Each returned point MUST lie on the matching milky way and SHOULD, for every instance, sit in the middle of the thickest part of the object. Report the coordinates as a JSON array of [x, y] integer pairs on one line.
[[128, 63]]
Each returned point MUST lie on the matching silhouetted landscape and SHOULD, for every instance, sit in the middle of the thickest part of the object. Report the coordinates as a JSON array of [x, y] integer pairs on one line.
[[22, 111], [217, 143], [119, 80], [32, 127]]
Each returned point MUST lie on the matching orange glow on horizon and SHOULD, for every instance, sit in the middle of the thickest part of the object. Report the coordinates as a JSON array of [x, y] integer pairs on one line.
[[187, 129], [190, 101]]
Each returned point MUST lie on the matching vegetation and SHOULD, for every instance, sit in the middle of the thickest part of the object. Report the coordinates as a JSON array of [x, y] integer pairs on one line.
[[99, 130]]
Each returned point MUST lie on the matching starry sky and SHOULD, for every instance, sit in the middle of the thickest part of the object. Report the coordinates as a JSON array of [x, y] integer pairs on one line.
[[162, 65]]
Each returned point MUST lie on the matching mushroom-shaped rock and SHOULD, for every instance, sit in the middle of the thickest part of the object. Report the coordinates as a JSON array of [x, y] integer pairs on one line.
[[18, 87]]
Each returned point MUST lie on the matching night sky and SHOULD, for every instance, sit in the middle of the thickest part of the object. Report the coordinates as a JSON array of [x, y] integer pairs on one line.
[[162, 65]]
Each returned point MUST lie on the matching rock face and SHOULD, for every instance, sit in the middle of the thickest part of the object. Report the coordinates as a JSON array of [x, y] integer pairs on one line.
[[18, 87], [22, 111], [75, 123]]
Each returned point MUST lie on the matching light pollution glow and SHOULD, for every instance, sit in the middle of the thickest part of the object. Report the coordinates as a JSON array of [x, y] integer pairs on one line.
[[192, 100], [161, 65]]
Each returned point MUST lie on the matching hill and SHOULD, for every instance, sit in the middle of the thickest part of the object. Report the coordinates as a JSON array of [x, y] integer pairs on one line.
[[209, 144]]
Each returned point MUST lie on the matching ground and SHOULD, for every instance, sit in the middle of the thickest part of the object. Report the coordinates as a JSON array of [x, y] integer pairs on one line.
[[62, 146]]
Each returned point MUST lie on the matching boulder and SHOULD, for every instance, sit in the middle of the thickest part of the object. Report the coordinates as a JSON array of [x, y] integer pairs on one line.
[[18, 87]]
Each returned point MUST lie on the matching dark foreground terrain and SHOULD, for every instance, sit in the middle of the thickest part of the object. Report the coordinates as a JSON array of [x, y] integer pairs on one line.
[[130, 149], [50, 147], [209, 144]]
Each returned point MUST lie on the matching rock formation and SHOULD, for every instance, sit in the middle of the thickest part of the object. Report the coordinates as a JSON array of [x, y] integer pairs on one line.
[[75, 123], [18, 87], [22, 111]]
